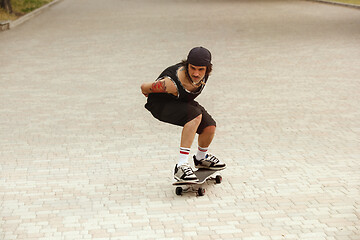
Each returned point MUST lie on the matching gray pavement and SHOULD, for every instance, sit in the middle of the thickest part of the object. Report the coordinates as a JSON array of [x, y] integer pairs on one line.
[[80, 157]]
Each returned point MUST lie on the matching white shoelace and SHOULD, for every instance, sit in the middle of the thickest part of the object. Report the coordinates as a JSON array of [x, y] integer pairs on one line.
[[213, 159], [187, 170]]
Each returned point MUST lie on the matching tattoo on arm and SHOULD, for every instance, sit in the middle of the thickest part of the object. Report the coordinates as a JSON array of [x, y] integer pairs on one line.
[[158, 87]]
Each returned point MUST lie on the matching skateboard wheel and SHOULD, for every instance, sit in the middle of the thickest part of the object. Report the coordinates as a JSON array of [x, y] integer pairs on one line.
[[201, 192], [218, 179], [178, 191]]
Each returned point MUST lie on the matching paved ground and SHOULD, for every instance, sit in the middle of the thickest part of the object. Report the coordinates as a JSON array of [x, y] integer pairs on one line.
[[82, 159]]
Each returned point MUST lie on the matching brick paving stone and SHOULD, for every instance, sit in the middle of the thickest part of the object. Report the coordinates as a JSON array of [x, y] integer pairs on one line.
[[80, 157]]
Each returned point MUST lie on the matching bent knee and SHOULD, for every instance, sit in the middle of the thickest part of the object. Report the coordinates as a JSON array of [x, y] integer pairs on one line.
[[210, 129]]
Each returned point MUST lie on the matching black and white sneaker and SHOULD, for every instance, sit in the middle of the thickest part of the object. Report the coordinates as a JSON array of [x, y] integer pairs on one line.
[[184, 173], [209, 162]]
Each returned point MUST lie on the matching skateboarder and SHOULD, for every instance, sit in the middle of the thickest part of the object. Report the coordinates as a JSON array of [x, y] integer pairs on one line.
[[171, 100]]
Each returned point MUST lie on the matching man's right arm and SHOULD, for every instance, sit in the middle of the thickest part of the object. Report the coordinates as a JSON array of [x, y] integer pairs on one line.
[[160, 86]]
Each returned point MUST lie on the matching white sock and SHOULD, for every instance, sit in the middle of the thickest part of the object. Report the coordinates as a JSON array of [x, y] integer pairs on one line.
[[201, 153], [184, 156]]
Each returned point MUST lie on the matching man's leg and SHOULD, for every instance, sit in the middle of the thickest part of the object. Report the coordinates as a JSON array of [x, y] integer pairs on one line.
[[204, 140], [187, 138], [183, 171], [202, 159], [189, 132], [206, 137]]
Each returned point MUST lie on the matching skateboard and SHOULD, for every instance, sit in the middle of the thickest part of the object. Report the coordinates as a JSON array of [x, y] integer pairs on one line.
[[203, 175]]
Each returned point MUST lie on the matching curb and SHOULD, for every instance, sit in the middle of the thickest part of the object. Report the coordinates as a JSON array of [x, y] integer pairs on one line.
[[4, 25], [337, 3], [11, 24]]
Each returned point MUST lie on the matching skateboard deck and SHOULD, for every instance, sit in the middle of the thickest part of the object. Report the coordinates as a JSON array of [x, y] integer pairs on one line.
[[203, 175]]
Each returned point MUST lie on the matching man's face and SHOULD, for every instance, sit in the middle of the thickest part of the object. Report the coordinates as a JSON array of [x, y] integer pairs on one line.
[[196, 73]]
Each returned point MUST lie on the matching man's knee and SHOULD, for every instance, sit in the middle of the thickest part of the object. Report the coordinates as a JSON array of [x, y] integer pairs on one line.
[[210, 130]]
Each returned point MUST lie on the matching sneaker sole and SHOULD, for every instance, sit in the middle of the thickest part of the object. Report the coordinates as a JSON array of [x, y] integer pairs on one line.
[[182, 180], [211, 168]]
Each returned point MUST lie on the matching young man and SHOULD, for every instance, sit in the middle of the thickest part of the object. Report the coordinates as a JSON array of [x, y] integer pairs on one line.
[[171, 100]]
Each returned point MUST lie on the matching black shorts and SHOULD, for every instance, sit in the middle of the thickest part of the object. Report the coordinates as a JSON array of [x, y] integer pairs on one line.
[[179, 113]]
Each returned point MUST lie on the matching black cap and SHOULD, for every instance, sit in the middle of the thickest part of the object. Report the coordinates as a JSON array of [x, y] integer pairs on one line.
[[199, 56]]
